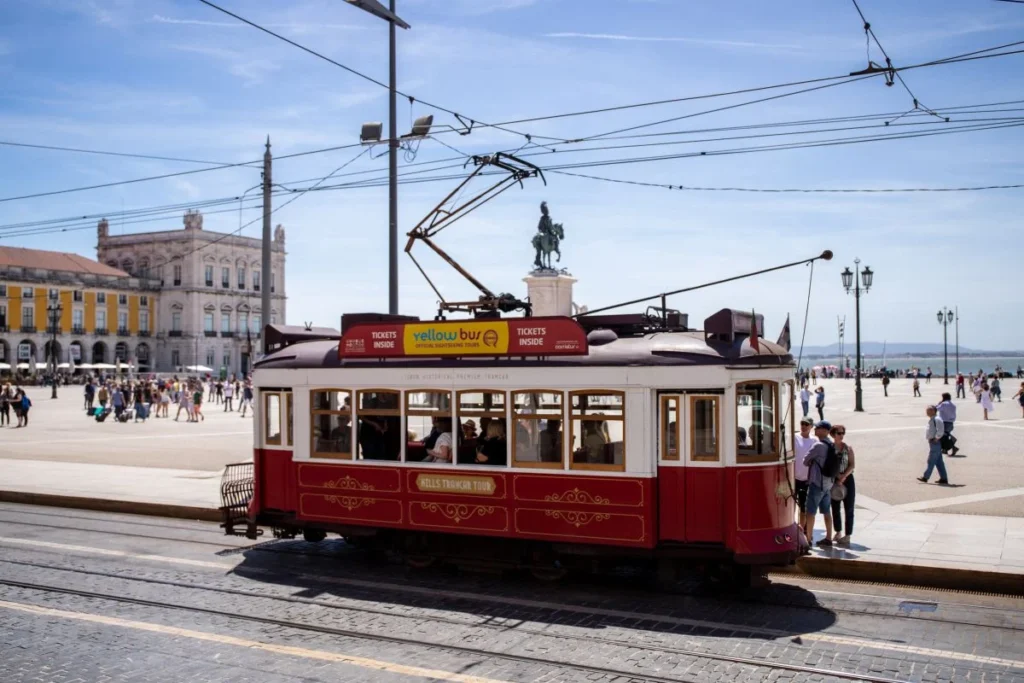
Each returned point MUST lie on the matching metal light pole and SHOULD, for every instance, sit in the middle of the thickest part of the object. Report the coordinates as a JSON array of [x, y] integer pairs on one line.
[[266, 276], [54, 311], [388, 14], [849, 279], [956, 310], [945, 317]]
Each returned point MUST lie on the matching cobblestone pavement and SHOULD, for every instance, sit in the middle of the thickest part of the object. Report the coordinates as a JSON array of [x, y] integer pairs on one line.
[[90, 597]]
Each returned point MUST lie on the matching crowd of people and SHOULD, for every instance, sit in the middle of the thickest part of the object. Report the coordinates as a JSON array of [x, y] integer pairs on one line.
[[140, 399]]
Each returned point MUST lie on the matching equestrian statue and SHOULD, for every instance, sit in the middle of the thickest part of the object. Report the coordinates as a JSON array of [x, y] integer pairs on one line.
[[547, 239]]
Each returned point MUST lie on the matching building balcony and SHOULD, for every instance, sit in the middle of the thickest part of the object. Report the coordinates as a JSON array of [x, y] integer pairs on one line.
[[28, 329], [77, 329], [101, 332], [255, 288], [227, 333], [177, 283], [144, 333], [124, 332], [50, 329], [174, 333], [210, 333], [209, 283], [4, 329]]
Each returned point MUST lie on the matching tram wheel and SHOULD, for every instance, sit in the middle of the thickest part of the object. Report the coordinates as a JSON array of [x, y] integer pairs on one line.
[[313, 535], [420, 561], [548, 574]]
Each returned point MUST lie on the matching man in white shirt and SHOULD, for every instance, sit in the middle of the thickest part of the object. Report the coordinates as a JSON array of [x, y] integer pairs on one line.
[[805, 400], [933, 433], [803, 442]]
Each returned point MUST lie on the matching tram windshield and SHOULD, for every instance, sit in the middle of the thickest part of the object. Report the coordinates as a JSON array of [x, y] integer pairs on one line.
[[756, 430]]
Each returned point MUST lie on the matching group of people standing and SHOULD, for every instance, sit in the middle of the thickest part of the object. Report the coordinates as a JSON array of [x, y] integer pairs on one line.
[[14, 399], [823, 470], [142, 398]]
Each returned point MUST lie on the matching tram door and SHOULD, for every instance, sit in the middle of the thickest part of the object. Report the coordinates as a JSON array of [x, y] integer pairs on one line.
[[690, 473]]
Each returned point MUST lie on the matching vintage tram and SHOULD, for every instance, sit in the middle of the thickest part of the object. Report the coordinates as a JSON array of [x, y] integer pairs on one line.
[[542, 443]]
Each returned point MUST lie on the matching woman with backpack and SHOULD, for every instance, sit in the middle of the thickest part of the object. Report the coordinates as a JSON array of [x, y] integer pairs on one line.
[[844, 490], [823, 465]]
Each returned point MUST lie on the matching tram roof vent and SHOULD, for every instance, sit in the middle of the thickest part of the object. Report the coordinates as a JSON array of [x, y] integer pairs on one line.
[[636, 324], [280, 336], [600, 337], [728, 325], [350, 319]]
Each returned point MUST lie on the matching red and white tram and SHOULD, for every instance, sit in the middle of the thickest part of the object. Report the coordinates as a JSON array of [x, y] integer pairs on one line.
[[537, 442]]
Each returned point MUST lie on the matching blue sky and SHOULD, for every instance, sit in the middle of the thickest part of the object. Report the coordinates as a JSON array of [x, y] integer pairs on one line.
[[176, 78]]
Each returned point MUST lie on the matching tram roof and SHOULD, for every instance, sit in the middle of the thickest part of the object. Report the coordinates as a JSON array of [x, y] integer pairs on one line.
[[655, 348]]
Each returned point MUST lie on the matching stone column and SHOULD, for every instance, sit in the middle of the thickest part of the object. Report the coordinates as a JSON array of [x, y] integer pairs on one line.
[[550, 292]]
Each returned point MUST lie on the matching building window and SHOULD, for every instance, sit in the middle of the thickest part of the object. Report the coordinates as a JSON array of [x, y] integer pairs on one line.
[[54, 294], [208, 322], [175, 358], [273, 318], [755, 421], [144, 320], [3, 317], [78, 296], [144, 300], [101, 297], [670, 428], [481, 434], [257, 323], [28, 316], [78, 320], [256, 282], [537, 421], [122, 322], [176, 321], [273, 282], [225, 277], [27, 293], [177, 276], [144, 270], [3, 290], [209, 276], [331, 424], [241, 278], [704, 428], [598, 438], [209, 358], [122, 299], [101, 320], [227, 358], [379, 431], [243, 323], [225, 322], [160, 275]]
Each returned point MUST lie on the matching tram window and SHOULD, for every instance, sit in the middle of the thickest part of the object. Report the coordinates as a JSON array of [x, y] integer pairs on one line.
[[379, 434], [704, 428], [331, 424], [598, 430], [670, 428], [481, 438], [787, 421], [290, 417], [428, 426], [538, 437], [756, 424], [272, 419]]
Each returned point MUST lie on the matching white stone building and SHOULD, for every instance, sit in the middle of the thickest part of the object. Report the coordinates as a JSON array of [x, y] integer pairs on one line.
[[210, 293]]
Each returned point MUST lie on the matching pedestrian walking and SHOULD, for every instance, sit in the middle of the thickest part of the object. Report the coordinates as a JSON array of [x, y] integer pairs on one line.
[[844, 490], [822, 462], [183, 404], [819, 402], [885, 384], [117, 400], [229, 392], [5, 405], [1020, 398], [26, 405], [197, 404], [917, 388], [103, 395], [220, 391], [247, 398], [928, 375], [997, 391], [803, 442], [985, 398], [933, 435], [961, 391], [805, 399], [946, 411], [89, 392]]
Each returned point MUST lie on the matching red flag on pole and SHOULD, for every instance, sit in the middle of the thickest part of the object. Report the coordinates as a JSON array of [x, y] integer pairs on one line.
[[753, 332]]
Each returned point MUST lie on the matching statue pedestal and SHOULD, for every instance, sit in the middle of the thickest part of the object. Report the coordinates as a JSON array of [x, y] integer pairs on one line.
[[550, 292]]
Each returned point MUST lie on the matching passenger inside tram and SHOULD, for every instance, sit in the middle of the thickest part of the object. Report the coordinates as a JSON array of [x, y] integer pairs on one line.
[[441, 448], [493, 448], [551, 442]]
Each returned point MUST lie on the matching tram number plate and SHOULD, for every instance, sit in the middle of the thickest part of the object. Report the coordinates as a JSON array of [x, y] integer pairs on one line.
[[448, 483]]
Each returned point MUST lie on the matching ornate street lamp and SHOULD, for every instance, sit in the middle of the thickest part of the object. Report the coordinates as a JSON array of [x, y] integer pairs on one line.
[[945, 317], [54, 311], [854, 279]]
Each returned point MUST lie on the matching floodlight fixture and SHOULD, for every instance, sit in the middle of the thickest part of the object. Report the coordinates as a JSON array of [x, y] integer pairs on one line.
[[420, 128], [378, 10], [371, 132]]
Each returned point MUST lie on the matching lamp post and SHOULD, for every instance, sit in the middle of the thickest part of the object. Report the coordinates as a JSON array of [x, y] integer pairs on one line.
[[956, 317], [842, 335], [53, 311], [945, 317], [388, 14], [853, 279]]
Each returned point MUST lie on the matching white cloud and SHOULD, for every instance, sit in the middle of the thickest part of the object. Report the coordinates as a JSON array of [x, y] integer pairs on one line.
[[671, 39], [251, 71]]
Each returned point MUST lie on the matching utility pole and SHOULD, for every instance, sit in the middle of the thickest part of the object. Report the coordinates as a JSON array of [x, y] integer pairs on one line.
[[956, 314], [392, 174], [265, 283]]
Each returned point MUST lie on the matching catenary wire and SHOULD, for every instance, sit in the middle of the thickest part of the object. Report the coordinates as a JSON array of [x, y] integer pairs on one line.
[[11, 143], [870, 31]]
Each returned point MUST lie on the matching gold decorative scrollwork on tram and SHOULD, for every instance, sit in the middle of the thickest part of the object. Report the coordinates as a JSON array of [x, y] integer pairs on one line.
[[458, 513], [577, 519], [577, 496], [350, 503], [348, 483]]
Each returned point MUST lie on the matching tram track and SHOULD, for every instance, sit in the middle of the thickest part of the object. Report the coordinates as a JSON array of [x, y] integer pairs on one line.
[[465, 650], [590, 638]]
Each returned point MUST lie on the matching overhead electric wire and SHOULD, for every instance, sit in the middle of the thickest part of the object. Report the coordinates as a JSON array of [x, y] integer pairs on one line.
[[371, 79], [11, 143], [871, 32]]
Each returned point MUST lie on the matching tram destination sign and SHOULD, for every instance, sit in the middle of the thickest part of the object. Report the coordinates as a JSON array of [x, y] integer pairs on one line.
[[516, 337]]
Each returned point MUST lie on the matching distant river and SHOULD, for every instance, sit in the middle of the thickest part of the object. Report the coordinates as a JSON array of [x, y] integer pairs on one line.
[[967, 364]]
